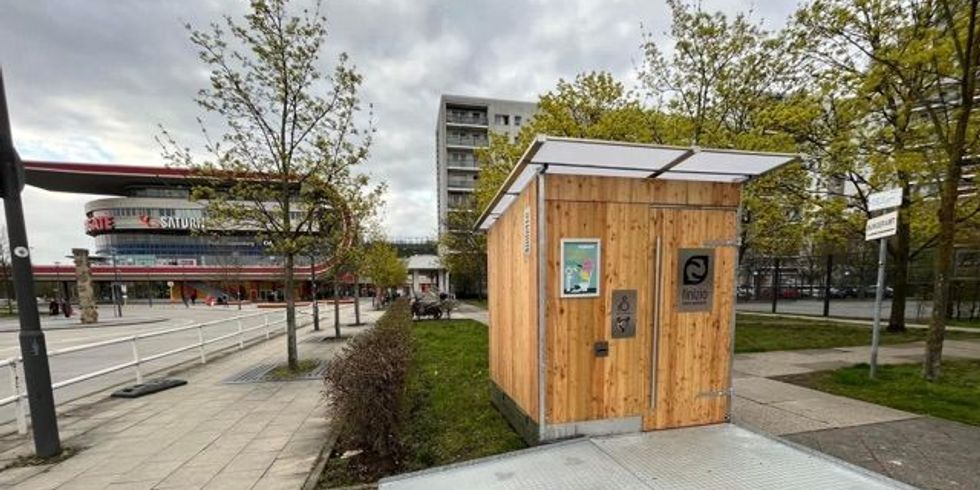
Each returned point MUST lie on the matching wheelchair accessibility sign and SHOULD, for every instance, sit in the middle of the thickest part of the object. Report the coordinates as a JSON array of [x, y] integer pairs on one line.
[[695, 281]]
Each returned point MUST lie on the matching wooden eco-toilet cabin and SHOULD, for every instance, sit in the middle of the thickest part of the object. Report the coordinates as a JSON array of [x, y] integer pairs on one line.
[[612, 285]]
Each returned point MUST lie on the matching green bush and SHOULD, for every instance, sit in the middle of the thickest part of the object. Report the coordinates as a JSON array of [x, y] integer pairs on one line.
[[366, 387]]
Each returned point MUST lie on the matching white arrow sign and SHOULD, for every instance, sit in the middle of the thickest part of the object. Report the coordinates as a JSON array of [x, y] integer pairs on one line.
[[881, 227], [892, 198]]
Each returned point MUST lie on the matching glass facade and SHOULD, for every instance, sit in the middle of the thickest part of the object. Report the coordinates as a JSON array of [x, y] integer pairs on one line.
[[185, 249]]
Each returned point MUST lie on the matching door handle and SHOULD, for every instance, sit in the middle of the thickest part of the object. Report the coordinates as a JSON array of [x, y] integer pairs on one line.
[[657, 305]]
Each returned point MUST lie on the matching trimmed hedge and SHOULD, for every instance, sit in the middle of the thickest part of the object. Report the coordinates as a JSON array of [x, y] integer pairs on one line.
[[366, 387]]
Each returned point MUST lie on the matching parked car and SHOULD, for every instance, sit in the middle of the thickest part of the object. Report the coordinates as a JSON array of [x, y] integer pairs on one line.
[[843, 293], [745, 292], [870, 291], [789, 293]]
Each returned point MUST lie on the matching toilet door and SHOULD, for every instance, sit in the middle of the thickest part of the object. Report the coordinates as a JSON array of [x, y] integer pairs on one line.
[[693, 306]]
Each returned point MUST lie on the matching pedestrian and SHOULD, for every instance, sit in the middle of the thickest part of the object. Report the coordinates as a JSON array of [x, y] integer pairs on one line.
[[194, 297]]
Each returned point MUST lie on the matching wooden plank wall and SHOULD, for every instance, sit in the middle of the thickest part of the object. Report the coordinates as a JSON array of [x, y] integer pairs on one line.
[[513, 303], [579, 385]]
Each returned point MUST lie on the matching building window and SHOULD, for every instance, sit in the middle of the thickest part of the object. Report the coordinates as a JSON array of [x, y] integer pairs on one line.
[[517, 120], [501, 119]]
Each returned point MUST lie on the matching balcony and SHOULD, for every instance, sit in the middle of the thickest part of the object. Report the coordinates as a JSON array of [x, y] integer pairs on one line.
[[471, 118], [467, 140], [462, 160]]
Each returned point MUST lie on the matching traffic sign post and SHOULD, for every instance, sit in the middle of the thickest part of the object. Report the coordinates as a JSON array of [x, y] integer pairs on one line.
[[33, 349], [881, 228]]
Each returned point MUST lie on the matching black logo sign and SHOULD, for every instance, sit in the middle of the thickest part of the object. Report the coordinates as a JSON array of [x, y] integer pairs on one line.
[[695, 270]]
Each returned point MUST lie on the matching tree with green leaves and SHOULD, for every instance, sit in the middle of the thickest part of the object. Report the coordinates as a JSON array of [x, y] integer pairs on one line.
[[725, 86], [290, 136], [927, 53], [381, 263], [594, 105]]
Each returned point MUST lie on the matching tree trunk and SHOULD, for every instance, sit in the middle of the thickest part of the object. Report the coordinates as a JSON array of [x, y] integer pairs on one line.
[[931, 368], [336, 309], [291, 356], [357, 301], [900, 267]]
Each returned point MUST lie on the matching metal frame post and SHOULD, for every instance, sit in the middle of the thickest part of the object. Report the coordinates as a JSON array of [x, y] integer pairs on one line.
[[18, 403], [33, 348], [879, 293], [542, 302], [200, 344]]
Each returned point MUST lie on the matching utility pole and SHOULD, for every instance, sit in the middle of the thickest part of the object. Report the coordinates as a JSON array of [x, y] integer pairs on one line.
[[316, 301], [116, 292], [34, 351]]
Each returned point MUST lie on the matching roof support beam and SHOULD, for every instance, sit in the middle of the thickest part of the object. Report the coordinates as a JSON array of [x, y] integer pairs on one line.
[[675, 162]]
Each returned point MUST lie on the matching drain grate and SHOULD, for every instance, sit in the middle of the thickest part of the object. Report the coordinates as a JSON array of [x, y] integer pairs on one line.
[[259, 374], [254, 374]]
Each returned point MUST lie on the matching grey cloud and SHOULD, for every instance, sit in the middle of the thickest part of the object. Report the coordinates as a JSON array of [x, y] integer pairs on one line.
[[90, 81]]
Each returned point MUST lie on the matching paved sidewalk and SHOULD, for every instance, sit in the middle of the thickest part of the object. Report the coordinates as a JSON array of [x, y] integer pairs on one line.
[[782, 408], [922, 451], [207, 434]]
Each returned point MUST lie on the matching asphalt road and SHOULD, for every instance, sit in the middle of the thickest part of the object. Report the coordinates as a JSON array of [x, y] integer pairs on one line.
[[915, 311], [154, 319]]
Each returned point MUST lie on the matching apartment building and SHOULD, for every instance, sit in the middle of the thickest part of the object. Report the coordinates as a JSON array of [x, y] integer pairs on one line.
[[463, 126]]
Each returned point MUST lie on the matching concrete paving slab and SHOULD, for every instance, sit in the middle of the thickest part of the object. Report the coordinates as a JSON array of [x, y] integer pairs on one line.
[[772, 420], [839, 411], [718, 456], [764, 390], [204, 434]]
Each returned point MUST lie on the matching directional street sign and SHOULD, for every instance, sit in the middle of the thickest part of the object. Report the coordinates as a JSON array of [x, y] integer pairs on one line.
[[892, 198], [882, 226]]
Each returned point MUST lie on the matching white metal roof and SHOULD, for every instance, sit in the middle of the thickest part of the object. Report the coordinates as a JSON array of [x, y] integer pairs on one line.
[[423, 262], [571, 156]]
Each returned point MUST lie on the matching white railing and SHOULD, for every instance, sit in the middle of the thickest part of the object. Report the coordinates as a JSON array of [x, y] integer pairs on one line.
[[19, 398]]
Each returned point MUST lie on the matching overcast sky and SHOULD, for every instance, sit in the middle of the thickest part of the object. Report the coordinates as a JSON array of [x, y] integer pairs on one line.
[[91, 81]]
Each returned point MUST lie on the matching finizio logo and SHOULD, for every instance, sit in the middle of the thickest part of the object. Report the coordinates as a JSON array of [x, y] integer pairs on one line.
[[695, 270]]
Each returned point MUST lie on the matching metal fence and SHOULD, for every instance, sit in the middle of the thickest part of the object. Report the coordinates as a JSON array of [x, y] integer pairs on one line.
[[141, 358], [843, 285]]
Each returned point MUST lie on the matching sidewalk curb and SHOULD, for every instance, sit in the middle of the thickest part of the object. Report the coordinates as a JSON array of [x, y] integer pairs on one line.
[[313, 478]]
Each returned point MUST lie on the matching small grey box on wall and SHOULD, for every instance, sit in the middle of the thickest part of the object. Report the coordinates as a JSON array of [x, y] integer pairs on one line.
[[622, 313]]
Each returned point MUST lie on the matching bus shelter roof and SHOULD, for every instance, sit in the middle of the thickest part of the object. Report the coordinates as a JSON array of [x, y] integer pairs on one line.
[[573, 156]]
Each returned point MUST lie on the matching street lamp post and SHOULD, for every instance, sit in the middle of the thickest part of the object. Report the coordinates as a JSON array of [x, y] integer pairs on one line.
[[316, 301], [116, 296], [57, 283], [37, 373]]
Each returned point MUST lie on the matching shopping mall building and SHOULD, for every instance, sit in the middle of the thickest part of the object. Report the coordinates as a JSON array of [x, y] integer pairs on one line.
[[151, 237]]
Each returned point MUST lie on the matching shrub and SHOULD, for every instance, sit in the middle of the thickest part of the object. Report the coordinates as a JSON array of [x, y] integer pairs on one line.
[[366, 387]]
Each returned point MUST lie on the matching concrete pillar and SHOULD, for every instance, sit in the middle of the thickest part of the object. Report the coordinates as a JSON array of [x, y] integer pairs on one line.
[[86, 293]]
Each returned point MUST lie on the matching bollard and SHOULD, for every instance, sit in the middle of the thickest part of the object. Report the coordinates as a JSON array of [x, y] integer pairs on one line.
[[136, 361], [241, 336], [266, 316]]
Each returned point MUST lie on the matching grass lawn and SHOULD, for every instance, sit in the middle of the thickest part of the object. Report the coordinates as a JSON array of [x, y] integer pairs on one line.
[[956, 396], [757, 333], [975, 323], [452, 418], [450, 415]]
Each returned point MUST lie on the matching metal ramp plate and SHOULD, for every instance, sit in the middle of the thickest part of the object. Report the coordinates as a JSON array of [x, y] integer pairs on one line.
[[718, 456]]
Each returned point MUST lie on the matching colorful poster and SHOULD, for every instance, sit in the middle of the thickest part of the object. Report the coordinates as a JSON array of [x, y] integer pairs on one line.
[[580, 267]]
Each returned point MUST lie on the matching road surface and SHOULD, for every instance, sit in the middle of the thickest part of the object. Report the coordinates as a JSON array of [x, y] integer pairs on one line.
[[153, 319]]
